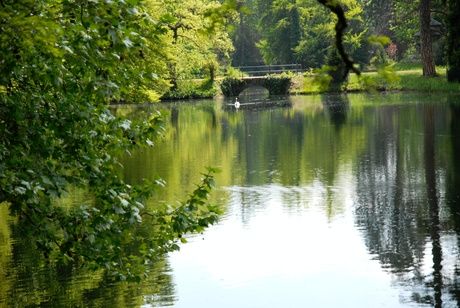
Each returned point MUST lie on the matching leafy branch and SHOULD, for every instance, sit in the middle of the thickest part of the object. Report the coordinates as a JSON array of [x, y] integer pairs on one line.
[[340, 28]]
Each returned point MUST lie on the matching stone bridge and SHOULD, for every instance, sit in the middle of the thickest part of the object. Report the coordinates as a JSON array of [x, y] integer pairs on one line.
[[276, 85], [270, 77]]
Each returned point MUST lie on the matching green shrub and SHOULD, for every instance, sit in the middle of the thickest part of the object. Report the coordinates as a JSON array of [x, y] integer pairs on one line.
[[188, 89], [232, 86], [277, 84]]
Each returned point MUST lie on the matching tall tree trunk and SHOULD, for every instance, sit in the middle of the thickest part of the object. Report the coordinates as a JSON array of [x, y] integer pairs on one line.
[[453, 41], [426, 48]]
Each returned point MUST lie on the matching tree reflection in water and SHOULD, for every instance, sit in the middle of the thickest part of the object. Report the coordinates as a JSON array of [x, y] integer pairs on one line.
[[433, 203], [28, 279], [337, 107], [400, 222], [453, 191], [403, 161]]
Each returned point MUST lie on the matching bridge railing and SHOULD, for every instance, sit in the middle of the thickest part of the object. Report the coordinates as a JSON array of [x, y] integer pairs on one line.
[[262, 70]]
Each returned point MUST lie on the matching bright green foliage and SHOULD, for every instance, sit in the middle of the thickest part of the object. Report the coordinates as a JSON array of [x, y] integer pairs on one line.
[[318, 26], [62, 62], [318, 35], [192, 89], [195, 43]]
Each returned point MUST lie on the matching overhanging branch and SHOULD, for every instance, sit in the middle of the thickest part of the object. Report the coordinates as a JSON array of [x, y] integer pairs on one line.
[[340, 27]]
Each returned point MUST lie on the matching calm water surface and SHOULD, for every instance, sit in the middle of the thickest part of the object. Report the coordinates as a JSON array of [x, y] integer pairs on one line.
[[332, 201]]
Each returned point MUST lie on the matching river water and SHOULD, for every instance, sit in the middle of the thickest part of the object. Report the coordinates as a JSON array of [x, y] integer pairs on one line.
[[329, 201]]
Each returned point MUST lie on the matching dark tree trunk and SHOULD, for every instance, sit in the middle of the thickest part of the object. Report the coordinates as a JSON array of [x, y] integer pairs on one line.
[[212, 73], [426, 48], [340, 27], [433, 201], [453, 41], [337, 71]]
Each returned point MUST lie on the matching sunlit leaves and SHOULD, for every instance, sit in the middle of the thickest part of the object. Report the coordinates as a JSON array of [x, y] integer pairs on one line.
[[62, 63], [194, 37], [379, 40]]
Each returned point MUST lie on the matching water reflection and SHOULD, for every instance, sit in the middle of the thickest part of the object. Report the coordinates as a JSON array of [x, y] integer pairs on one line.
[[337, 107], [390, 159], [433, 203], [357, 194], [453, 197], [403, 205], [29, 280]]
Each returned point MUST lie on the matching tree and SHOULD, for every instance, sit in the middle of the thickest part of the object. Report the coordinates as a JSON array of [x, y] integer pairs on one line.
[[426, 45], [280, 29], [318, 40], [317, 36], [340, 26], [245, 37], [299, 31], [191, 47], [62, 63], [379, 16], [453, 42]]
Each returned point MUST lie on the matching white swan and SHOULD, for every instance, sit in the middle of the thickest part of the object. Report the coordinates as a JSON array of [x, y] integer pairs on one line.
[[237, 103]]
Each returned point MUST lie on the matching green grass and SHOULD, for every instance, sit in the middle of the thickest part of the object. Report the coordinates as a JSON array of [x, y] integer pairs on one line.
[[404, 66], [404, 78]]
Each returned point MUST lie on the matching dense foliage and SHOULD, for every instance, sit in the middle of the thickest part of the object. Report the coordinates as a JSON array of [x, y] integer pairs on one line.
[[298, 31], [246, 36], [62, 63], [194, 43], [232, 86], [453, 42], [302, 31]]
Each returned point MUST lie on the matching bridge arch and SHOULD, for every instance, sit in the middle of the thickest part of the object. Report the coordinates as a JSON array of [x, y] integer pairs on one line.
[[252, 90]]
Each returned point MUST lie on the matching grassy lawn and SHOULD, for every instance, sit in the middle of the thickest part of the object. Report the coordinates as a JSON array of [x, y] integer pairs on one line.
[[404, 78]]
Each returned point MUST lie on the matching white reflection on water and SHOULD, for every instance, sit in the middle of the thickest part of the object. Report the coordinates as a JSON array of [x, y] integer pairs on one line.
[[307, 256]]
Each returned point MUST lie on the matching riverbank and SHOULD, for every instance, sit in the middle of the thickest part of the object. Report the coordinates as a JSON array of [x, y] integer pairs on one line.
[[403, 78], [192, 89]]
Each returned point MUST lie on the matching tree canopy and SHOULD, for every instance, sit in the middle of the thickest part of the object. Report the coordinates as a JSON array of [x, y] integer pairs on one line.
[[193, 43], [62, 63], [303, 31]]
